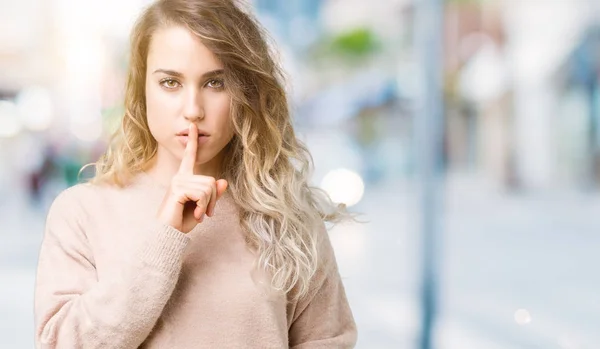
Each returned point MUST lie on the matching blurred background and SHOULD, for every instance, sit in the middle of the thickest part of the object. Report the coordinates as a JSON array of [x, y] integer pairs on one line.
[[513, 251]]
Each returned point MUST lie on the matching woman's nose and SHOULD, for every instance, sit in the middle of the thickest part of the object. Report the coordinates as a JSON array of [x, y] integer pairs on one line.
[[192, 108]]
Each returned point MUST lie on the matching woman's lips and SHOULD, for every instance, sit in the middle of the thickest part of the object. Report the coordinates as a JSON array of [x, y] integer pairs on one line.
[[183, 139]]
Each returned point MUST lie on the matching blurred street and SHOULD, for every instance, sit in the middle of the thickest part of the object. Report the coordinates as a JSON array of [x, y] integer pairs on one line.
[[512, 126]]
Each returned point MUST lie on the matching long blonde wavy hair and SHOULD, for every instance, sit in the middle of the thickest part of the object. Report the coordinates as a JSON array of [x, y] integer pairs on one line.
[[267, 167]]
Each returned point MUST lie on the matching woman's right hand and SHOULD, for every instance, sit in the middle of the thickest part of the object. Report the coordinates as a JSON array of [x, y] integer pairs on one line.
[[186, 187]]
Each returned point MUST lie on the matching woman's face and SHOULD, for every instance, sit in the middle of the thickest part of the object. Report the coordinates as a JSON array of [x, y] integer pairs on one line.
[[184, 84]]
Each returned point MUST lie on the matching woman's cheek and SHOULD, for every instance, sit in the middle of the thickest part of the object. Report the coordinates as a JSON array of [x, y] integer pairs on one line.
[[156, 107], [159, 106]]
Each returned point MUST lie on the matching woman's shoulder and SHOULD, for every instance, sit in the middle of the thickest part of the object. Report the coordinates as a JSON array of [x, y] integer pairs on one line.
[[72, 195], [67, 206], [82, 192], [83, 197]]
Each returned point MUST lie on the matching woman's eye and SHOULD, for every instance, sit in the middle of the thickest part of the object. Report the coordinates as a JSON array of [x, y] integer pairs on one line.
[[170, 83], [215, 83]]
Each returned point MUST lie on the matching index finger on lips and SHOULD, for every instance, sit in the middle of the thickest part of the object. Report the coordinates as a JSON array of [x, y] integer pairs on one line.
[[191, 148]]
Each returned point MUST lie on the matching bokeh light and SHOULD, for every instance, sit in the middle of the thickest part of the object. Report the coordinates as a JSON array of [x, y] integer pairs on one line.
[[35, 108], [10, 124], [344, 186], [522, 317]]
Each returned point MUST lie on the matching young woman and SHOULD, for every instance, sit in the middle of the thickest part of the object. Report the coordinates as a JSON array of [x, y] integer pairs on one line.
[[199, 229]]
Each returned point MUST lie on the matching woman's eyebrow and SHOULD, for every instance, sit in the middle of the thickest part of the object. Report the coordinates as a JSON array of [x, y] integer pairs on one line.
[[212, 73], [180, 75]]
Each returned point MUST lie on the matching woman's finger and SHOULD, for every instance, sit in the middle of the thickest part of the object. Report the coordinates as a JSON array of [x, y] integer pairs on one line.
[[191, 150], [213, 200], [221, 187]]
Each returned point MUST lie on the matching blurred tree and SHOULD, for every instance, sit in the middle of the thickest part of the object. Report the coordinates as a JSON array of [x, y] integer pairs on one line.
[[351, 48], [356, 43]]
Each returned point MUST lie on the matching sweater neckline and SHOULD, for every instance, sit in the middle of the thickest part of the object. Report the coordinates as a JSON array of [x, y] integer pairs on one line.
[[143, 178]]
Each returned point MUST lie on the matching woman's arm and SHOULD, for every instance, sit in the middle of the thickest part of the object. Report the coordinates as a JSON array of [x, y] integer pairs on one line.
[[323, 319], [73, 309]]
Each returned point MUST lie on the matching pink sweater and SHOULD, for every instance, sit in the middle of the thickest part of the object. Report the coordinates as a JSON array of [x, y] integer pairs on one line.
[[111, 276]]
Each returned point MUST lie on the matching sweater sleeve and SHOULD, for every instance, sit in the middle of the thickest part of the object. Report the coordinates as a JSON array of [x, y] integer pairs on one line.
[[74, 309], [322, 318]]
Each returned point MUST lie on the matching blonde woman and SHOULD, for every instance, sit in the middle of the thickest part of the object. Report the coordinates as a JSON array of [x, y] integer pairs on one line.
[[199, 229]]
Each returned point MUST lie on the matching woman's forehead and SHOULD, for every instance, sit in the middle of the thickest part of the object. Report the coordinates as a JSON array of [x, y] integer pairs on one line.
[[175, 48]]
